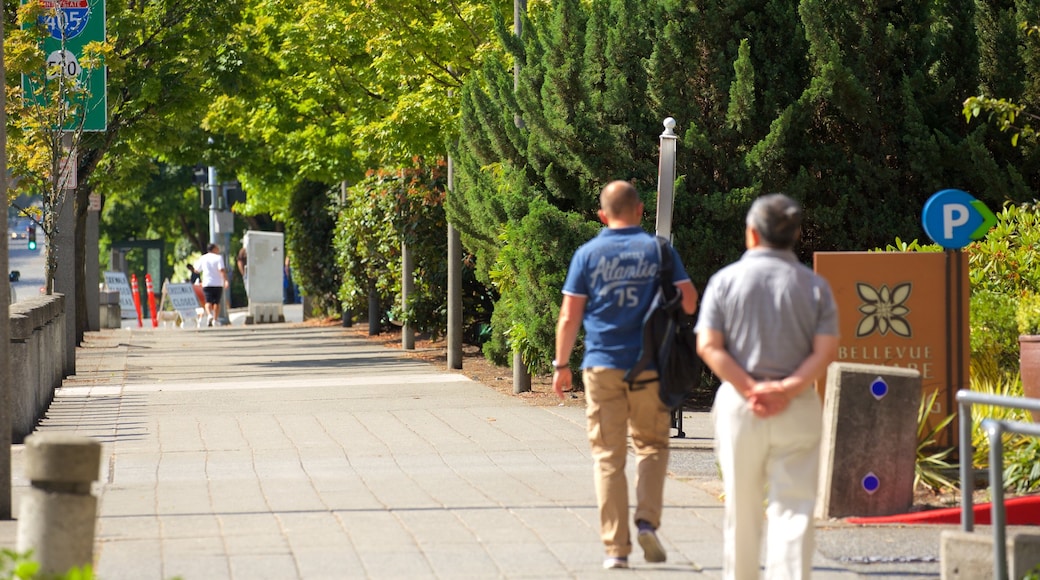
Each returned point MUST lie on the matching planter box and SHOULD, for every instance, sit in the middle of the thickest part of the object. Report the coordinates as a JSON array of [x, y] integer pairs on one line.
[[1029, 367]]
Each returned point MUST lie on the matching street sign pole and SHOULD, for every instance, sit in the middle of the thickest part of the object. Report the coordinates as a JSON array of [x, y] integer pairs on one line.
[[953, 219]]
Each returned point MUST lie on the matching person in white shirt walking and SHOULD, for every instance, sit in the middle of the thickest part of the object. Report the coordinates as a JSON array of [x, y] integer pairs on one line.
[[214, 279]]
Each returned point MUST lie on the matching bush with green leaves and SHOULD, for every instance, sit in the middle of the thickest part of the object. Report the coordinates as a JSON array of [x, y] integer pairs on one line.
[[1006, 260], [1027, 314], [20, 566], [1004, 303], [1004, 273], [381, 212], [994, 334], [1021, 471]]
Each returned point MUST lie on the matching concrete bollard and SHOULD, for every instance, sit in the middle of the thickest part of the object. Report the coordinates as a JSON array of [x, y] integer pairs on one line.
[[110, 311], [869, 444], [969, 555], [57, 516]]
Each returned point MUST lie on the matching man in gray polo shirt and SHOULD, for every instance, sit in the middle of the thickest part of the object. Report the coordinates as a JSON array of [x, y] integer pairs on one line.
[[768, 328]]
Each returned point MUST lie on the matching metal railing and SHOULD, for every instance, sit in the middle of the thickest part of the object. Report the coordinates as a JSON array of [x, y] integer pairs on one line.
[[995, 430]]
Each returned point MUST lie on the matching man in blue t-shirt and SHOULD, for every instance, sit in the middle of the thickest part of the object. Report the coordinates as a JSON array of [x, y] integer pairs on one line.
[[610, 284]]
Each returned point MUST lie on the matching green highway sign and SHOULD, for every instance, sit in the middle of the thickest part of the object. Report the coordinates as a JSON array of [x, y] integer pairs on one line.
[[72, 24]]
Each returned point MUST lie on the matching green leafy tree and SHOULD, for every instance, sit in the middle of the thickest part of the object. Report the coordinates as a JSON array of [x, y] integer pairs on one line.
[[329, 90], [46, 116], [160, 58], [166, 207], [717, 68], [595, 82]]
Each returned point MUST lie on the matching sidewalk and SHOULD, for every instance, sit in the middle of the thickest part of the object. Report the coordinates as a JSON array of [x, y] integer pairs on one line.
[[288, 451]]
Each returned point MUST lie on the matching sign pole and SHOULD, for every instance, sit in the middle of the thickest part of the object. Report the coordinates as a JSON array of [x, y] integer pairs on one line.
[[953, 219]]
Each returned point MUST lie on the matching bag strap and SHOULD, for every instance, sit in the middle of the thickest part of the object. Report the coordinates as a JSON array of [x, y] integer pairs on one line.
[[664, 273], [664, 280]]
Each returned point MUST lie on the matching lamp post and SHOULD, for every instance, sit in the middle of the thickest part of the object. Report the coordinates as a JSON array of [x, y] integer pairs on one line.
[[220, 225]]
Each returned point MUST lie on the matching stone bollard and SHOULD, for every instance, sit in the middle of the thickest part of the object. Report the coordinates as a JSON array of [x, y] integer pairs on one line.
[[110, 311], [57, 516], [869, 445]]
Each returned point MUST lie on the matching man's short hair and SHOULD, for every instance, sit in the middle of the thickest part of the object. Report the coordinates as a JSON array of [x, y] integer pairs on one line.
[[618, 198], [777, 219], [212, 247]]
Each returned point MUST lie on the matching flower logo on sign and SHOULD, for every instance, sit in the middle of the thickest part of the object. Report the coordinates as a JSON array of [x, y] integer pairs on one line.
[[883, 310], [65, 19]]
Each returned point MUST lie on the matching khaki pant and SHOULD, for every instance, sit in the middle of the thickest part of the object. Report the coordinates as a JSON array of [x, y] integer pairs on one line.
[[613, 413], [783, 454]]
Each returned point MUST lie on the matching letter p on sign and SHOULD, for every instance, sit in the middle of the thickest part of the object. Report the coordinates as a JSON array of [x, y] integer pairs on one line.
[[954, 215]]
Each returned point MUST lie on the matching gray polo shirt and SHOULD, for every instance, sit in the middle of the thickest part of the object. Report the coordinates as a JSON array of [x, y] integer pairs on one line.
[[769, 307]]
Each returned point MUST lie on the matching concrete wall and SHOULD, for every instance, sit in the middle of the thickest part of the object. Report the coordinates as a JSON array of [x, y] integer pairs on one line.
[[37, 359], [969, 555]]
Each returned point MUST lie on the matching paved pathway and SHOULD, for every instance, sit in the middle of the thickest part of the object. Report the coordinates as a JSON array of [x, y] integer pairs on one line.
[[287, 451]]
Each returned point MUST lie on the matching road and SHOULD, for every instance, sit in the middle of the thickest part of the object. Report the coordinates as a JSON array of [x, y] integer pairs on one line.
[[30, 264]]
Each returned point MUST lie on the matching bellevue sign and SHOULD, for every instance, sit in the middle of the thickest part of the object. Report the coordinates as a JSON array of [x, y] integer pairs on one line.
[[71, 25], [910, 309]]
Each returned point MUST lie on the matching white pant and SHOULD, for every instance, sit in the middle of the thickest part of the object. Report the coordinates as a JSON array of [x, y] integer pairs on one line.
[[783, 453]]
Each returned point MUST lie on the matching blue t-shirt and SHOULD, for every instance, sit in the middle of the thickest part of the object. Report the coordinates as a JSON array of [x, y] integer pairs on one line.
[[617, 273]]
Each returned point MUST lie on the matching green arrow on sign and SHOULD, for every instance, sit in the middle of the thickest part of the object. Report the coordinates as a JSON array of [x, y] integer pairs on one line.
[[988, 220]]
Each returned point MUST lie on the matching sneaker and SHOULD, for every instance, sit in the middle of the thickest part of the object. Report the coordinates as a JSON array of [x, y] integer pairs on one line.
[[615, 563], [653, 551]]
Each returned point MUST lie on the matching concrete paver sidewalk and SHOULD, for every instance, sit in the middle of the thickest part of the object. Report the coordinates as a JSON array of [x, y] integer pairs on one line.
[[286, 451]]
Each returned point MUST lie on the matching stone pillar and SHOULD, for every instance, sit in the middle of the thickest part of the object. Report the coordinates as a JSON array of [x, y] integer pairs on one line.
[[521, 377], [92, 270], [65, 274], [869, 444], [407, 289], [57, 516]]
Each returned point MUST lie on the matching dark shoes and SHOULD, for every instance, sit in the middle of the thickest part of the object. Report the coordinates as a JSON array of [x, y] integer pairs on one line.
[[653, 551]]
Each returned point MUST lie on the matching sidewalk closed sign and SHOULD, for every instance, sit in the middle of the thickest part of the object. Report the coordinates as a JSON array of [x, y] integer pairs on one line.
[[182, 298], [117, 281]]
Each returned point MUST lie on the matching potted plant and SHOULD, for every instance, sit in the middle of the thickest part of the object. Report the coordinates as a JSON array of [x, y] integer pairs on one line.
[[1027, 315]]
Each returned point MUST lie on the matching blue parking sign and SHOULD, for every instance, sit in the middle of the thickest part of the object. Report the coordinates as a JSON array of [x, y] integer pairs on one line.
[[953, 218]]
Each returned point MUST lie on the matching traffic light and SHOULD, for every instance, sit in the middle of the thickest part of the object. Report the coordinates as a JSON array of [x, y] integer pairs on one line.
[[32, 237]]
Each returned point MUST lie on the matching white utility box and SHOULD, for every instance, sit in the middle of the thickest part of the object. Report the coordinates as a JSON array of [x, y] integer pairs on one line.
[[265, 269]]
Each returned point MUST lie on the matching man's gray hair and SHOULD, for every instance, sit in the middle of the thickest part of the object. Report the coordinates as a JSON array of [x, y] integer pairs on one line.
[[777, 219]]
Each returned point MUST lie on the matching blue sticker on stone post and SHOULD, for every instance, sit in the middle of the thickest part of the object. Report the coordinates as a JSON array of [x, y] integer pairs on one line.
[[870, 483], [879, 388]]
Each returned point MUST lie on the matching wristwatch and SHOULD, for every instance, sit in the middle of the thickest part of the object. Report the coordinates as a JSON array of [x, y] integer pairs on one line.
[[556, 365]]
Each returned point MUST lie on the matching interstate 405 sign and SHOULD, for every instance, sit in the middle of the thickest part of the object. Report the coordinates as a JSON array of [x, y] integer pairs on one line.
[[71, 24]]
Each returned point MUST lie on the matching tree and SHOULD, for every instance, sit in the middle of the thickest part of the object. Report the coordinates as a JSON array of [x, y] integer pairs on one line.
[[332, 89], [48, 115], [162, 70], [874, 134]]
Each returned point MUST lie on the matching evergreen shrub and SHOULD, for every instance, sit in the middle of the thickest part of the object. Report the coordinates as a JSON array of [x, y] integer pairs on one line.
[[308, 237]]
